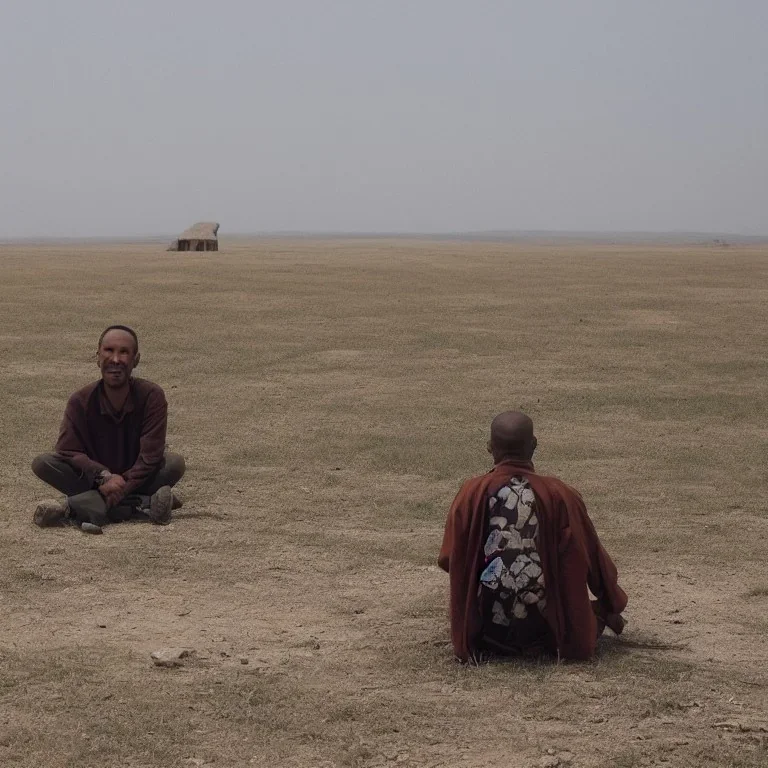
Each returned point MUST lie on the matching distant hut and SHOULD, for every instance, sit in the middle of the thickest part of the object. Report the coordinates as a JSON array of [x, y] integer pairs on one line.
[[200, 237]]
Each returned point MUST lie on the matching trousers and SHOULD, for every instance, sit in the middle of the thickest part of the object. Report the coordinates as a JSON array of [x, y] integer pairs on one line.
[[87, 505]]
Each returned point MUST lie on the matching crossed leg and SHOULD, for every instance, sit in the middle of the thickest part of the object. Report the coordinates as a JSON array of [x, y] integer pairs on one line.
[[88, 505]]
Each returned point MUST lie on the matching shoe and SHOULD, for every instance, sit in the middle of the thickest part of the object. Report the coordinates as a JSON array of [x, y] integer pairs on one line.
[[50, 513], [160, 506], [144, 504]]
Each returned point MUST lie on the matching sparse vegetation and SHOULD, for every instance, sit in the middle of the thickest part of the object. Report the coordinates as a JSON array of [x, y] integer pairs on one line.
[[329, 398]]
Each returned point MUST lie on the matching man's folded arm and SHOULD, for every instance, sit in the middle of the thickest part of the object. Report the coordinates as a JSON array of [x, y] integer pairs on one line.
[[444, 558], [455, 532], [71, 447], [152, 442], [603, 576]]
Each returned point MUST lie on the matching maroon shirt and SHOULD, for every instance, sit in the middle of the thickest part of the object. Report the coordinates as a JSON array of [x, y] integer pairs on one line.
[[130, 443]]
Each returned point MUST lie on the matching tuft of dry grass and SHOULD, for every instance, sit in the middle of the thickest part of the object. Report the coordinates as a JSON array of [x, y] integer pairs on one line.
[[329, 397]]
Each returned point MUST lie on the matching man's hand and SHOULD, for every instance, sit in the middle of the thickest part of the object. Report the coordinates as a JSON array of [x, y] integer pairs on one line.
[[113, 490], [615, 622]]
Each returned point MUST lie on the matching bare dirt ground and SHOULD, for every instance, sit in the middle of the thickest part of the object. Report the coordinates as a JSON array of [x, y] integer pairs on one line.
[[330, 396]]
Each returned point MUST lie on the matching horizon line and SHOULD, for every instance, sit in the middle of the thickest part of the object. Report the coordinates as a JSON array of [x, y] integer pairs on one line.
[[480, 234]]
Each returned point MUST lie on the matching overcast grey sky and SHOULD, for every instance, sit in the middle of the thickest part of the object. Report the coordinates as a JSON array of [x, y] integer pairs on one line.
[[141, 117]]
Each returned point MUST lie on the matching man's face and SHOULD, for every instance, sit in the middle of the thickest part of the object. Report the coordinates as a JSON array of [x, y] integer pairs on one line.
[[117, 357]]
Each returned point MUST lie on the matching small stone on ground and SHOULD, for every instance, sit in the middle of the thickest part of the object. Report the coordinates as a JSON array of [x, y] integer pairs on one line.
[[90, 528], [169, 657]]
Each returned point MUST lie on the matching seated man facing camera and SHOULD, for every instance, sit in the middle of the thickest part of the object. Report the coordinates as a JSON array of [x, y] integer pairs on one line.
[[110, 459], [523, 556]]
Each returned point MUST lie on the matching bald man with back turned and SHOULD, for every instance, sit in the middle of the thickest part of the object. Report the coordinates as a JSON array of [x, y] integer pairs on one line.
[[523, 556]]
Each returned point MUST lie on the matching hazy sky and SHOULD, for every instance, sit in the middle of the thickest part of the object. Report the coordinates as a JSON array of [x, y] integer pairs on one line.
[[143, 116]]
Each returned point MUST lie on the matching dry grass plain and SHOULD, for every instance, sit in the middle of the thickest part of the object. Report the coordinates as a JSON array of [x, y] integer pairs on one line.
[[329, 397]]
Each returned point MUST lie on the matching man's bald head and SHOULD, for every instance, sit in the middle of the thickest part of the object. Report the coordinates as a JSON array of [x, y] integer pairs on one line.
[[512, 437]]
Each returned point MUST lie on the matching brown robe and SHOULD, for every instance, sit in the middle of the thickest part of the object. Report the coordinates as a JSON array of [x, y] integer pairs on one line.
[[572, 559]]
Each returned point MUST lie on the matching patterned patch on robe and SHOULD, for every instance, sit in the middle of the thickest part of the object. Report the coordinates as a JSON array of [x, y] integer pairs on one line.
[[512, 570]]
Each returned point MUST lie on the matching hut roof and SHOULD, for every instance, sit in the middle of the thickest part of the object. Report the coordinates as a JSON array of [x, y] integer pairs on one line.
[[203, 230]]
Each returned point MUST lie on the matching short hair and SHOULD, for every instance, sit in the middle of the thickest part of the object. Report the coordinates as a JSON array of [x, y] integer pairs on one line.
[[120, 328]]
